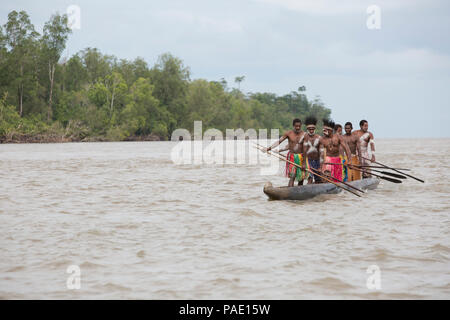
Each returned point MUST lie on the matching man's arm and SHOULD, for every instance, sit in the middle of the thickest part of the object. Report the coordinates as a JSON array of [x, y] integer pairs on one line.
[[355, 141], [300, 142], [358, 149], [372, 145], [322, 153], [285, 135], [283, 149], [301, 149], [346, 149]]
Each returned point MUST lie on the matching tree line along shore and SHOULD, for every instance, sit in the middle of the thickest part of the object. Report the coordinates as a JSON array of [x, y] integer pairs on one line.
[[48, 97]]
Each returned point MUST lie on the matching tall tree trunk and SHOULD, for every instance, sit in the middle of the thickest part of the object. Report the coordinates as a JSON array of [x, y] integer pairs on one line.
[[21, 99], [112, 100], [51, 73], [63, 78], [21, 91]]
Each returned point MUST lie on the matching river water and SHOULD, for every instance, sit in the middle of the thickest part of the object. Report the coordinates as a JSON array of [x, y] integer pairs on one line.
[[137, 226]]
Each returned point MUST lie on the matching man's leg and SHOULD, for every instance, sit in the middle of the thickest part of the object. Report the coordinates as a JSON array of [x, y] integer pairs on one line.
[[337, 172], [291, 181], [302, 176], [366, 174], [366, 163], [311, 176], [327, 174]]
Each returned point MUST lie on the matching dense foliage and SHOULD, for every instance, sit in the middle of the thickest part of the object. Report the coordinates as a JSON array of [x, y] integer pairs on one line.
[[93, 96]]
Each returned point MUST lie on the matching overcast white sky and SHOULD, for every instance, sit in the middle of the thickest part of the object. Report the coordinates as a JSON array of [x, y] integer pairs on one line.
[[397, 77]]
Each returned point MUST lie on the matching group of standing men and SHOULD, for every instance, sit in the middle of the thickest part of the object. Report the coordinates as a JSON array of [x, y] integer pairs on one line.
[[328, 154]]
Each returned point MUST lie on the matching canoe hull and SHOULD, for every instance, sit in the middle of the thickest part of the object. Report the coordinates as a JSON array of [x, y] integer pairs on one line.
[[311, 190]]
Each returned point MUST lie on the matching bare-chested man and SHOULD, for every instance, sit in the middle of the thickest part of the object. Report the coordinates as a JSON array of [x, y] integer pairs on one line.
[[338, 131], [344, 160], [295, 141], [311, 148], [352, 141], [331, 143], [364, 139]]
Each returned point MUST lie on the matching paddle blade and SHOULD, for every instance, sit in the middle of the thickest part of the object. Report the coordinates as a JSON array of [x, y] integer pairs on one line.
[[387, 167], [393, 175], [391, 179]]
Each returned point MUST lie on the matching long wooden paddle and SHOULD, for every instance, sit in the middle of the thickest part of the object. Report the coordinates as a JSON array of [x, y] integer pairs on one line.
[[380, 167], [345, 183], [360, 169], [408, 175], [395, 175], [320, 175], [376, 175]]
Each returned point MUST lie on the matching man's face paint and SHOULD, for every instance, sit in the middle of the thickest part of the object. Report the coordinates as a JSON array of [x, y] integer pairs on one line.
[[348, 129], [327, 131], [297, 127], [311, 131]]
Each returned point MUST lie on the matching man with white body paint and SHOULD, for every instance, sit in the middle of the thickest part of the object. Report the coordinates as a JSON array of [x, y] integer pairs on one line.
[[365, 138], [311, 144]]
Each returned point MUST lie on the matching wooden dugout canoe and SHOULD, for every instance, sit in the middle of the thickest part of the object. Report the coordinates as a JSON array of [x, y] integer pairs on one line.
[[309, 191]]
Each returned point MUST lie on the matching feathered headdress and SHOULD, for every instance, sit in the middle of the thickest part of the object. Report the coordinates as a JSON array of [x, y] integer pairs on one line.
[[328, 123]]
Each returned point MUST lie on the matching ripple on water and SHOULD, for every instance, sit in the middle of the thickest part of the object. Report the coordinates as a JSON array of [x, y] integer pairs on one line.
[[57, 263], [130, 226], [225, 281], [249, 213], [332, 283], [112, 287], [16, 269], [439, 248], [95, 232], [140, 254], [91, 265]]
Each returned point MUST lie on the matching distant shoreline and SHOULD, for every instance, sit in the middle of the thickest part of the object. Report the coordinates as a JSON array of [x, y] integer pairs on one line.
[[22, 139], [40, 138], [52, 138]]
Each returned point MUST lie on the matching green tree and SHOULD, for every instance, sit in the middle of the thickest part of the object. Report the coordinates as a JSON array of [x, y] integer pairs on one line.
[[76, 74], [171, 79], [56, 32], [20, 38], [99, 95], [97, 65], [117, 90], [9, 119], [132, 70], [143, 112], [3, 61], [238, 80]]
